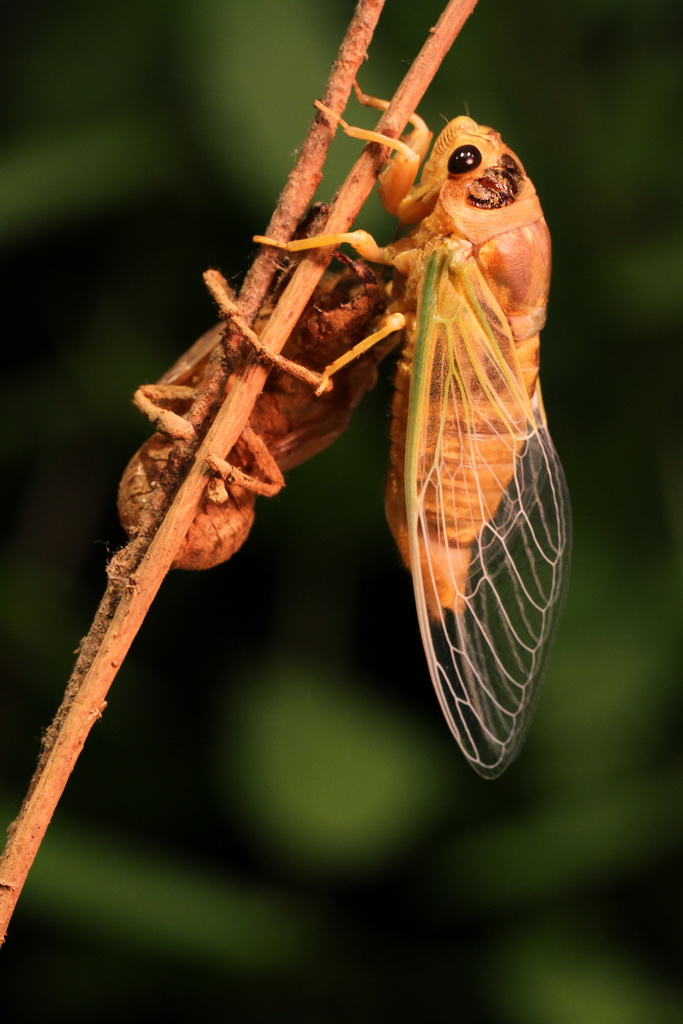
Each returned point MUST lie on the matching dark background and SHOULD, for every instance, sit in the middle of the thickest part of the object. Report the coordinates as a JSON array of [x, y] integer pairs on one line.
[[271, 823]]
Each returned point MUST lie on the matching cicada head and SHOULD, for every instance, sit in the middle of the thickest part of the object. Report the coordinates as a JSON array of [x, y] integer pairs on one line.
[[476, 184], [475, 167], [469, 169]]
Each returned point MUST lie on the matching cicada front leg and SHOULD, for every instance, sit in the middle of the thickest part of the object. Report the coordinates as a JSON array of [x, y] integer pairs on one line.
[[420, 136], [399, 173]]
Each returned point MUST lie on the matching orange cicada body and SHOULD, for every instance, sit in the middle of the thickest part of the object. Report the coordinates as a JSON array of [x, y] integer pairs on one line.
[[476, 496]]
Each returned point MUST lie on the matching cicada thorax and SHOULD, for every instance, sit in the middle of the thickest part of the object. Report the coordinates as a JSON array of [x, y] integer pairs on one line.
[[476, 343]]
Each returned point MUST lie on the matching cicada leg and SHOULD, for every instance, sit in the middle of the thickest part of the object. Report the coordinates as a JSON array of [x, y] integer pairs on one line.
[[399, 173], [226, 473], [148, 399], [398, 177], [419, 138], [392, 322], [363, 242]]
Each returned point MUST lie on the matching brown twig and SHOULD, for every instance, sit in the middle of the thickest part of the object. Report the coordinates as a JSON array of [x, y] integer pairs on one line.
[[130, 593], [307, 174]]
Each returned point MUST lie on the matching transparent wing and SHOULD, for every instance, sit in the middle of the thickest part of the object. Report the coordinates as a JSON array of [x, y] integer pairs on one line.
[[488, 520]]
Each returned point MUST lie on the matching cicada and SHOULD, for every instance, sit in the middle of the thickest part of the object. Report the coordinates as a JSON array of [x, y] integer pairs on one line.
[[476, 496], [287, 426]]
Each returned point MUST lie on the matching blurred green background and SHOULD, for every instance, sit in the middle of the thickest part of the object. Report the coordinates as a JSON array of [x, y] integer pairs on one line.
[[271, 823]]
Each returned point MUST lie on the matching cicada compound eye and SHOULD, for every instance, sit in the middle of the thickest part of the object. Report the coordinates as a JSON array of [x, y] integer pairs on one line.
[[464, 159]]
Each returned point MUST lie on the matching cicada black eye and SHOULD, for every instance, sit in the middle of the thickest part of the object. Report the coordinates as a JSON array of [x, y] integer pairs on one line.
[[464, 159]]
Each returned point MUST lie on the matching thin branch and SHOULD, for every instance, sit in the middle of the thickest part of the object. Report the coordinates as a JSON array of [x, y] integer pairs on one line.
[[136, 573], [307, 173]]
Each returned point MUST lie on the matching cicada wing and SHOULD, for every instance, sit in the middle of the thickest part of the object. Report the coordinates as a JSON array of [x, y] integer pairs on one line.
[[489, 526], [487, 661]]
